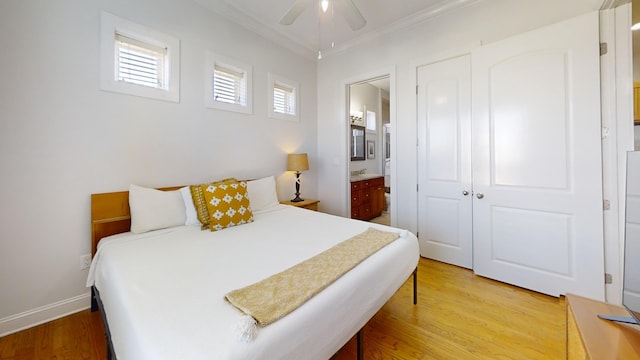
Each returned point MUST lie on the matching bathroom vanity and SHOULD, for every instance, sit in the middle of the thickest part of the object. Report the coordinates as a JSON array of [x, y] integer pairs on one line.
[[367, 196]]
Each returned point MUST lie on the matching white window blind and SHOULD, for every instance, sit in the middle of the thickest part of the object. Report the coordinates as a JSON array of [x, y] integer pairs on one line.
[[229, 86], [284, 99], [140, 63], [371, 120], [137, 60]]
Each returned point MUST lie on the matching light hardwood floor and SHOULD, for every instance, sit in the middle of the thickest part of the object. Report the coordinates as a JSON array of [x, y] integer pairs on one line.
[[459, 316], [384, 219]]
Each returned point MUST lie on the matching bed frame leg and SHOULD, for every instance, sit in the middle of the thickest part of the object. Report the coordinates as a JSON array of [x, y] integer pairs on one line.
[[94, 302], [360, 346], [415, 286], [107, 333]]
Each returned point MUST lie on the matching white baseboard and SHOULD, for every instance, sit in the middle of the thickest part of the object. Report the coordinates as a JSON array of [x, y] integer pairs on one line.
[[43, 314]]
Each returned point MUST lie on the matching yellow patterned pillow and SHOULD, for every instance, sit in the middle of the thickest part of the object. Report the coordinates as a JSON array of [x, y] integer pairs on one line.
[[228, 205], [197, 194]]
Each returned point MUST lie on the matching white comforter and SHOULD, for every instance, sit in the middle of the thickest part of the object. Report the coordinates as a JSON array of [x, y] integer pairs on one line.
[[163, 291]]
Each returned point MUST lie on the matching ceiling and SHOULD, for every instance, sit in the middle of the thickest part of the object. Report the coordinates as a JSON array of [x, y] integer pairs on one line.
[[382, 83], [314, 30]]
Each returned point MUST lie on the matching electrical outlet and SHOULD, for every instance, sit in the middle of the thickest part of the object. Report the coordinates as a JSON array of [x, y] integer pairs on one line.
[[85, 261]]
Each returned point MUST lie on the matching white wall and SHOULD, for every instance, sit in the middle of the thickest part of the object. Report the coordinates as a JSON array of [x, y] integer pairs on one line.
[[402, 51], [635, 38], [61, 138], [636, 55]]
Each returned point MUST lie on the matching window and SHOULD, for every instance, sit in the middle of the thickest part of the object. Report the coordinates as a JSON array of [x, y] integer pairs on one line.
[[227, 85], [283, 98], [139, 61], [371, 121]]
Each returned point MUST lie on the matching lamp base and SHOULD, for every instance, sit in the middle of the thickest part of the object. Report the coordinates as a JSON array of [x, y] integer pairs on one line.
[[297, 198]]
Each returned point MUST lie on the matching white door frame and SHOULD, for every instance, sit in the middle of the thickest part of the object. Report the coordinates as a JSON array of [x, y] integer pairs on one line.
[[616, 71], [391, 72]]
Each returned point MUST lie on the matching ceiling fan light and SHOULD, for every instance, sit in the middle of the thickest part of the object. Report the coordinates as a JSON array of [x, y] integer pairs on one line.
[[319, 55], [325, 5]]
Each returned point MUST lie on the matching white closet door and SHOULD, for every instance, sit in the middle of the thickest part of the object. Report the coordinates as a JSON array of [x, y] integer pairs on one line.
[[444, 156], [537, 215]]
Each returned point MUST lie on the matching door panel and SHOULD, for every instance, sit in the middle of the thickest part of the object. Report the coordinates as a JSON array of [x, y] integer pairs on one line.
[[519, 240], [537, 160], [532, 115], [444, 155]]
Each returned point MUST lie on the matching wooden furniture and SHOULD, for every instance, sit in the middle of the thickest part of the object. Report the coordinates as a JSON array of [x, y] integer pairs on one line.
[[367, 198], [310, 204], [589, 337]]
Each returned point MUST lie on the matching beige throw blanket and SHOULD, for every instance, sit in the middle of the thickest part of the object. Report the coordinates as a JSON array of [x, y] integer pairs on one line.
[[278, 295]]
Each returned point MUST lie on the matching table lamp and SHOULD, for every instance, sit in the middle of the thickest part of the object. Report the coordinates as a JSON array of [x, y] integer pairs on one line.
[[297, 163]]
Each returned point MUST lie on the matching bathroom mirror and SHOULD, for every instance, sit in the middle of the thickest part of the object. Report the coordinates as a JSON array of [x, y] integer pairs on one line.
[[357, 142]]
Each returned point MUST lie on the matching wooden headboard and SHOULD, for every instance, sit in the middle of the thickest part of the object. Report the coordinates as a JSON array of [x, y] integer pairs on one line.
[[110, 215]]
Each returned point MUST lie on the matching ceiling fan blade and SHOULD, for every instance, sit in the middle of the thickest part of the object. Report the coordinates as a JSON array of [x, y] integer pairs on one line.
[[351, 14], [296, 9]]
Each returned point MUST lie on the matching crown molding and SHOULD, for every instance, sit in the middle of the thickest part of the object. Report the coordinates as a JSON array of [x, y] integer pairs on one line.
[[404, 23], [233, 14], [611, 4], [271, 32]]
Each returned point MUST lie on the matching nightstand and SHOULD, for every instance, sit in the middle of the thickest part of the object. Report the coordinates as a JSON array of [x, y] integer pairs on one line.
[[310, 204]]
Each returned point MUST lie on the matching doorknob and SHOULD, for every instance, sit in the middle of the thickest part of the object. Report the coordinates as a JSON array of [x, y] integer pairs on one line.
[[479, 195], [465, 192]]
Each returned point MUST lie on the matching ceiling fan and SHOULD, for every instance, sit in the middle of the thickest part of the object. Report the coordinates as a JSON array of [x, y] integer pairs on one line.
[[347, 8]]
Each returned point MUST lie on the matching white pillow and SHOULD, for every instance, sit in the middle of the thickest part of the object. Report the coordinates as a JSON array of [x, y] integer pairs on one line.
[[191, 214], [153, 209], [262, 193]]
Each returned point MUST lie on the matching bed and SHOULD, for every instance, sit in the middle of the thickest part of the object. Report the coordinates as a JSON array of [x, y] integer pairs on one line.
[[162, 291]]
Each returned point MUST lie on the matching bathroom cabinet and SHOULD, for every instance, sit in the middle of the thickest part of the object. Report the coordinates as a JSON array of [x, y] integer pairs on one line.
[[367, 198]]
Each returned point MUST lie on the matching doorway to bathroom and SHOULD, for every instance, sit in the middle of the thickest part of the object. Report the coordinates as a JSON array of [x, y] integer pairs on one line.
[[370, 150]]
